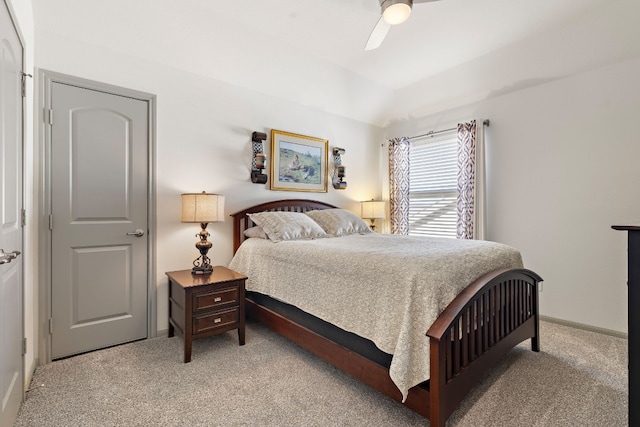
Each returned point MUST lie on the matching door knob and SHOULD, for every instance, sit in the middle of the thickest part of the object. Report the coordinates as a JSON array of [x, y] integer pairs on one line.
[[137, 233], [7, 257]]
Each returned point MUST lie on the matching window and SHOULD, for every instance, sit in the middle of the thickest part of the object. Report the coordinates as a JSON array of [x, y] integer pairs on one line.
[[433, 186]]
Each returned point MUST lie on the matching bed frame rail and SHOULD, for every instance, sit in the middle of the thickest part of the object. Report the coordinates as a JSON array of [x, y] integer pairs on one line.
[[495, 313]]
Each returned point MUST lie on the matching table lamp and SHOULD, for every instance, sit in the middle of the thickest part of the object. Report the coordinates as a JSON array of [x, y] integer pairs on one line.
[[202, 208], [372, 210]]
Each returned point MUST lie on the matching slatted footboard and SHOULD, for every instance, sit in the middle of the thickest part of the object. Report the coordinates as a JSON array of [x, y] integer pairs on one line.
[[491, 316]]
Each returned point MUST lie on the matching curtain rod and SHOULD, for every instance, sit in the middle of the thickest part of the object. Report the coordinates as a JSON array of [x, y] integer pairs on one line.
[[486, 122]]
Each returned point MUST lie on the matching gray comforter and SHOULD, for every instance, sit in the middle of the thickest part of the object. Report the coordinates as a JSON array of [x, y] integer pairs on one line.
[[387, 288]]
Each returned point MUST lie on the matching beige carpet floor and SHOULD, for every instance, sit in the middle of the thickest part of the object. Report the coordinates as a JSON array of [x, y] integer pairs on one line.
[[578, 379]]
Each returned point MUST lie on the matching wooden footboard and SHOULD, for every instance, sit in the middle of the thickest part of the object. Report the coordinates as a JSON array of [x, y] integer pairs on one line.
[[491, 316]]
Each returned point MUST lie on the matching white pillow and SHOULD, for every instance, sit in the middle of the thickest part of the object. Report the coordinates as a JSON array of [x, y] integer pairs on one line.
[[256, 232], [281, 226], [339, 222]]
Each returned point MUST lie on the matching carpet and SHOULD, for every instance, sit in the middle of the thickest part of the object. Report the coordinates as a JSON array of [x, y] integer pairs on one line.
[[579, 378]]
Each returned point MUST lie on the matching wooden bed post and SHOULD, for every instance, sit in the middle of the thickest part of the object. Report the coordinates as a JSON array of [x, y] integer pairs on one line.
[[437, 380], [535, 339]]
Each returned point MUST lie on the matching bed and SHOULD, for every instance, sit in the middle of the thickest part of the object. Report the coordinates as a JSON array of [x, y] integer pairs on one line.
[[480, 322]]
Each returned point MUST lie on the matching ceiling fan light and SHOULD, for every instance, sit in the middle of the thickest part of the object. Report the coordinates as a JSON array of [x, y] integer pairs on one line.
[[396, 11]]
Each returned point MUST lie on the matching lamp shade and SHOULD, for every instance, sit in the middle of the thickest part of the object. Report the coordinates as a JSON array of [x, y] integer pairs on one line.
[[395, 12], [202, 207], [373, 209]]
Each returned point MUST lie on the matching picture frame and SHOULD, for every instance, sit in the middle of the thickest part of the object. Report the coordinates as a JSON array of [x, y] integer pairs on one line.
[[298, 162]]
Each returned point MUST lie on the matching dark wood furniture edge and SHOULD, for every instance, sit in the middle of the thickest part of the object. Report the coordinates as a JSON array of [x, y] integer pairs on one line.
[[633, 313], [626, 227], [434, 399]]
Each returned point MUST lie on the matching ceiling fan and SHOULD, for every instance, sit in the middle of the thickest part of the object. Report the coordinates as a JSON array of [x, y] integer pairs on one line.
[[394, 12]]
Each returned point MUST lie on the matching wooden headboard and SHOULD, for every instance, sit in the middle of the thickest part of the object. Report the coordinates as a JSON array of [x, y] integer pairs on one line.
[[241, 221]]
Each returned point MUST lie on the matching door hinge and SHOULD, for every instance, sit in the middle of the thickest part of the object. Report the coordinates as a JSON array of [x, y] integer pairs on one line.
[[50, 222], [24, 83], [49, 114], [51, 325], [24, 217], [24, 346]]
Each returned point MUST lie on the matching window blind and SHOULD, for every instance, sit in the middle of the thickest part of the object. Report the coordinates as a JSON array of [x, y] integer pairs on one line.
[[433, 182]]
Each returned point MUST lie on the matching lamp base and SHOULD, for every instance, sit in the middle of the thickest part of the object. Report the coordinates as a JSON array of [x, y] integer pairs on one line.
[[202, 265], [202, 269]]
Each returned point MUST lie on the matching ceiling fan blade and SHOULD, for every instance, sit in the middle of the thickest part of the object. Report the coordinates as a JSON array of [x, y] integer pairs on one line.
[[377, 35]]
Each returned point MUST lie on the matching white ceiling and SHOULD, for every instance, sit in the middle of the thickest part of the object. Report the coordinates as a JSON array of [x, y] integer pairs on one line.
[[437, 36], [311, 51]]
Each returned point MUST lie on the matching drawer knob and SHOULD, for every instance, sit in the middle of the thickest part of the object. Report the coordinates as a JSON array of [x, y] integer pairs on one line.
[[217, 299], [217, 320]]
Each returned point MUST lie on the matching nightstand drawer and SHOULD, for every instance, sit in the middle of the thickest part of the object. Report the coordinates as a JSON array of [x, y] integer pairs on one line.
[[215, 320], [206, 300]]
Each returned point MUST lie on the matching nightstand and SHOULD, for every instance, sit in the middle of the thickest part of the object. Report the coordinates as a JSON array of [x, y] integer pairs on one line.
[[204, 305]]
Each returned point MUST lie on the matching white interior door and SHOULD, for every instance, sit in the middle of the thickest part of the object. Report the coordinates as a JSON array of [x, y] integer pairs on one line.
[[11, 286], [99, 161]]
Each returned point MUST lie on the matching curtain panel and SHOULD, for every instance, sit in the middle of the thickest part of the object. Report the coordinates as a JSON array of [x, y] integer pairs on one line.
[[399, 185], [471, 185]]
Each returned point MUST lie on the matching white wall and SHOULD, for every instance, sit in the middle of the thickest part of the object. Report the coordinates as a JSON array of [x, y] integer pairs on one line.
[[562, 161], [203, 139], [573, 158]]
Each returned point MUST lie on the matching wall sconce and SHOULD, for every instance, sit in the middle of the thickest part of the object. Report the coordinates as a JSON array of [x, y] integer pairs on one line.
[[259, 159], [338, 170], [203, 208], [372, 210]]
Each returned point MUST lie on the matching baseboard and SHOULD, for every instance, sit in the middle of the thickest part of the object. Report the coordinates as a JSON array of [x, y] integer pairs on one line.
[[162, 333], [585, 327], [28, 374]]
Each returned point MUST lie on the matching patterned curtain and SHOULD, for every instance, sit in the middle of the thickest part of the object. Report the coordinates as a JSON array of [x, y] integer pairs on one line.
[[399, 185], [470, 204]]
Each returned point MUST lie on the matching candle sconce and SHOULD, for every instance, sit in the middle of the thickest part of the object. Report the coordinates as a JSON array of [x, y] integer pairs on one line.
[[258, 161], [338, 170]]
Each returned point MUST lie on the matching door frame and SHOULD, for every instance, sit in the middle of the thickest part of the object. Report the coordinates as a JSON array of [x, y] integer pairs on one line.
[[46, 78]]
